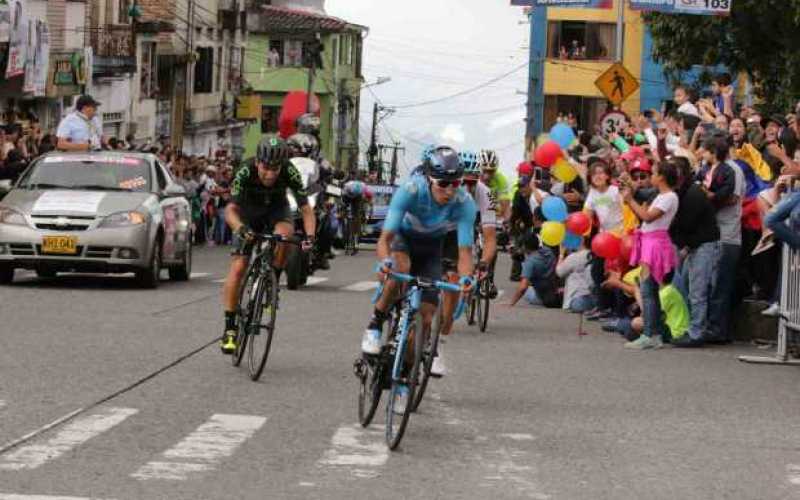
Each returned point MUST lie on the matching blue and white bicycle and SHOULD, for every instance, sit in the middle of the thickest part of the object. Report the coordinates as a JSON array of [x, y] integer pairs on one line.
[[405, 360]]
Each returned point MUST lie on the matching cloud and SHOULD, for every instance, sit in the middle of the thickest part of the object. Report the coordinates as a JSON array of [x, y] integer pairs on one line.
[[453, 132], [513, 118]]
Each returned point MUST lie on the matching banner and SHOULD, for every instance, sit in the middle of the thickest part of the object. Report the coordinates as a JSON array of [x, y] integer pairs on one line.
[[587, 4], [697, 7], [18, 42], [5, 21]]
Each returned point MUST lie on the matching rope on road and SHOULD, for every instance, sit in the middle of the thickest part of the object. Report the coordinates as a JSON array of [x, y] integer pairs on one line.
[[70, 416]]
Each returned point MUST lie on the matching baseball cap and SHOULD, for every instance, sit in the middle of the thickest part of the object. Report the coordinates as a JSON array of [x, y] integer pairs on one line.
[[525, 169], [632, 154], [641, 165], [86, 100]]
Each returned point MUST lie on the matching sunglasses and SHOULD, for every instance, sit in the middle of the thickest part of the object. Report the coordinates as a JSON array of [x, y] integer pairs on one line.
[[445, 183], [639, 176], [470, 182]]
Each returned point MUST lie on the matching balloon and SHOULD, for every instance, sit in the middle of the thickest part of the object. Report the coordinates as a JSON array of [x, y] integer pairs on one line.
[[553, 233], [564, 171], [547, 154], [572, 241], [542, 139], [562, 134], [578, 223], [607, 246], [554, 209], [294, 105]]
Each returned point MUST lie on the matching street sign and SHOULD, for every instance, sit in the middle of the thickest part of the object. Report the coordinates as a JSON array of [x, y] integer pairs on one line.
[[589, 4], [613, 121], [697, 7], [617, 83]]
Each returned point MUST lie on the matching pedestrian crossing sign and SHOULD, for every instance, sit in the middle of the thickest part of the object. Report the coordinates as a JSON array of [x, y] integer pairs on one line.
[[617, 83]]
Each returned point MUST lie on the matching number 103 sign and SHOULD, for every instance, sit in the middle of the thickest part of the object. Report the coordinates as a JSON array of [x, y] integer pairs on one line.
[[699, 7]]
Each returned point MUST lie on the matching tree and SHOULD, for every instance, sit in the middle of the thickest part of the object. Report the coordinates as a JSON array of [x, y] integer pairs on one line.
[[760, 37]]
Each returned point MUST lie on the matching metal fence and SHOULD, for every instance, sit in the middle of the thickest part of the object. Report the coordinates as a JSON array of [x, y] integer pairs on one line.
[[789, 324]]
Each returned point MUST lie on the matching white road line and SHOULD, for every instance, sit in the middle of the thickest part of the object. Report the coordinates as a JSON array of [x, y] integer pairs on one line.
[[2, 404], [9, 496], [201, 450], [500, 293], [316, 280], [793, 474], [361, 286], [199, 275], [72, 435], [362, 450], [219, 281], [518, 437]]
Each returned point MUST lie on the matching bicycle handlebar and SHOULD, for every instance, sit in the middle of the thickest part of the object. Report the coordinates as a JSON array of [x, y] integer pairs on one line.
[[441, 285]]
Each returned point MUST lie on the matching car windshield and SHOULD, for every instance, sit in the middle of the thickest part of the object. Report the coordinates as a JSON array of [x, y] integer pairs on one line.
[[91, 173]]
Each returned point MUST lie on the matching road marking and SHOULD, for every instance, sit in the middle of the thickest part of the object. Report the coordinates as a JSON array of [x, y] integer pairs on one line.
[[794, 474], [518, 437], [71, 436], [202, 449], [361, 286], [500, 293], [2, 404], [9, 496], [199, 275], [361, 449]]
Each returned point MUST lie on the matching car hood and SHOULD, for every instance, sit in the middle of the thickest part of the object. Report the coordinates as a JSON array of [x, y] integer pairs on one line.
[[74, 202]]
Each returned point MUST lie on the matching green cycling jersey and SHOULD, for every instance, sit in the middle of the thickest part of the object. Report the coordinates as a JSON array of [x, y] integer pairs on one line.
[[499, 187]]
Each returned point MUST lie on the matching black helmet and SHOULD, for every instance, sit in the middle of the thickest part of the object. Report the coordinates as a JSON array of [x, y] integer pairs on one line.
[[444, 164], [272, 150], [304, 145], [308, 124]]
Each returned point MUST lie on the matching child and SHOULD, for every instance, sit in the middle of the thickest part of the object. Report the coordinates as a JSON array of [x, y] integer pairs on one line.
[[604, 199], [654, 252]]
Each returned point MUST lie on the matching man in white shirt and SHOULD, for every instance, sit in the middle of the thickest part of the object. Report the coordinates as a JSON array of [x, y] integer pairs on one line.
[[81, 130]]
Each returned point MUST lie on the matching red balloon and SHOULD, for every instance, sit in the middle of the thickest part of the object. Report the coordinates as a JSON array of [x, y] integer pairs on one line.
[[294, 106], [548, 154], [578, 223], [607, 246]]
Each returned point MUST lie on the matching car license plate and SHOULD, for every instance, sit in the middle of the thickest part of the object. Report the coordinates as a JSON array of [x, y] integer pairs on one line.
[[64, 245]]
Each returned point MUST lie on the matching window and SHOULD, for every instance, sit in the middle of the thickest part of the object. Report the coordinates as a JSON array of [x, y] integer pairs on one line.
[[342, 45], [335, 51], [269, 119], [218, 79], [235, 68], [204, 70], [122, 15], [587, 110], [351, 49], [581, 40], [275, 54], [292, 53], [148, 72]]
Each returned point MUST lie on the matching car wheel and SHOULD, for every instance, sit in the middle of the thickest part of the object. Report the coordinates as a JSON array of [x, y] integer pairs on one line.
[[6, 275], [184, 271], [151, 276], [46, 273]]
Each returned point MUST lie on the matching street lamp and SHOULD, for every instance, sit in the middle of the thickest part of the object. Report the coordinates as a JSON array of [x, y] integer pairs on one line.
[[380, 81]]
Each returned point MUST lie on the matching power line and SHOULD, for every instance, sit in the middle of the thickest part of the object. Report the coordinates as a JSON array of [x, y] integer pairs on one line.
[[475, 113]]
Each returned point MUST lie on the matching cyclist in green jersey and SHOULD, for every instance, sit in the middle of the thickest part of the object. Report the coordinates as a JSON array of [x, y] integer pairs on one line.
[[497, 183]]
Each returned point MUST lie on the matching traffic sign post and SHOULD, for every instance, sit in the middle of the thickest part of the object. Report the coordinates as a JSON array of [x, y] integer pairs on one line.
[[617, 84]]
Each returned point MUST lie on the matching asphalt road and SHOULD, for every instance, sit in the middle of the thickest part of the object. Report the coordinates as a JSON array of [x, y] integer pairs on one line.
[[529, 410]]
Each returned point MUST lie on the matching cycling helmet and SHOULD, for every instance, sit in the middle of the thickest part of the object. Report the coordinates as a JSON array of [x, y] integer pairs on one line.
[[469, 160], [444, 164], [427, 152], [308, 124], [272, 149], [303, 145], [487, 159]]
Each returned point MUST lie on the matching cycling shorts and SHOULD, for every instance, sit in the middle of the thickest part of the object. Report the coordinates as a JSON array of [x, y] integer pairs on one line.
[[266, 221], [426, 260]]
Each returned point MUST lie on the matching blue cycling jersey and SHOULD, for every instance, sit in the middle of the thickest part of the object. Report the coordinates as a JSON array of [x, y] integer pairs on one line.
[[414, 213]]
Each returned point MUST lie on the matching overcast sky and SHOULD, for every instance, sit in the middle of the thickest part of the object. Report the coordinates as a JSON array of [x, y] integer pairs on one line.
[[436, 48]]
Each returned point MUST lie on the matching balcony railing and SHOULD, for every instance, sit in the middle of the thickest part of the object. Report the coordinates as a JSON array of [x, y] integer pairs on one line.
[[112, 40]]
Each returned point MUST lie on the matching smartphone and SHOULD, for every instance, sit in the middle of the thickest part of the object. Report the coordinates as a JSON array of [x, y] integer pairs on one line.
[[537, 174]]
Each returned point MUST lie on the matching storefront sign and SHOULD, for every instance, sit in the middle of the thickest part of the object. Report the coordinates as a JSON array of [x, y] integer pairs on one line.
[[18, 39], [38, 60], [698, 7], [588, 4]]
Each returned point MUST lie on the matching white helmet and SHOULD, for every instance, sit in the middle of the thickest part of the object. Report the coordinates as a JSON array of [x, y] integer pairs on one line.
[[487, 158]]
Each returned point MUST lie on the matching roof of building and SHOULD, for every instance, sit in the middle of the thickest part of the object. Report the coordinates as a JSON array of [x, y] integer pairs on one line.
[[285, 19]]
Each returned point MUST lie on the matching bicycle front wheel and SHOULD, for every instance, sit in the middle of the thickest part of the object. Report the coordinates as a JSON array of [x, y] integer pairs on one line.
[[247, 296], [262, 326], [484, 301], [410, 357], [430, 348]]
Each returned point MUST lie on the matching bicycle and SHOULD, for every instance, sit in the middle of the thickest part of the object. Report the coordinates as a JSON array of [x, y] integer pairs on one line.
[[481, 297], [348, 231], [258, 295], [392, 368]]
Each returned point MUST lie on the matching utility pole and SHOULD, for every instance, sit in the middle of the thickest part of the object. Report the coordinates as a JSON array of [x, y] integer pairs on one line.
[[373, 147], [538, 42], [620, 28], [393, 172], [190, 60]]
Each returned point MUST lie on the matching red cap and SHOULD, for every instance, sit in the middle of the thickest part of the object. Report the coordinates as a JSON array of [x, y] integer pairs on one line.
[[525, 168], [642, 165], [633, 153]]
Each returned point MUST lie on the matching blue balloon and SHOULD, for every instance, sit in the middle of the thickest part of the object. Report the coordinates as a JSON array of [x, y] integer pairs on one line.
[[562, 134], [572, 241], [554, 209]]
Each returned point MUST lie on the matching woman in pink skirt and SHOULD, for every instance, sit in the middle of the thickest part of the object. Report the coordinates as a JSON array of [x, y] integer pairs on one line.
[[654, 252]]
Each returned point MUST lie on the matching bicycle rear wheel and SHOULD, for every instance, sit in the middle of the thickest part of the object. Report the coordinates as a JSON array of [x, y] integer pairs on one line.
[[369, 393], [397, 421], [470, 312], [430, 348], [484, 301], [247, 295], [262, 326]]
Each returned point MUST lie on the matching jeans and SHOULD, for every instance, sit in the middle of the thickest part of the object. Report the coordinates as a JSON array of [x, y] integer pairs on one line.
[[582, 304], [651, 309], [222, 232], [787, 210], [719, 315], [696, 275]]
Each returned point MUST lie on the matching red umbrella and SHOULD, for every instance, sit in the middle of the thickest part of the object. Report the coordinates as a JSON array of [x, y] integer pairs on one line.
[[294, 106]]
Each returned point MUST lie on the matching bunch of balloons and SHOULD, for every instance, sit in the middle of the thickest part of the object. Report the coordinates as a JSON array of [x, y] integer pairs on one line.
[[555, 211], [549, 152]]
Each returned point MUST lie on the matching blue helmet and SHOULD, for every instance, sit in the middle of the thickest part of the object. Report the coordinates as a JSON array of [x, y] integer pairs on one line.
[[444, 164], [427, 152], [469, 160]]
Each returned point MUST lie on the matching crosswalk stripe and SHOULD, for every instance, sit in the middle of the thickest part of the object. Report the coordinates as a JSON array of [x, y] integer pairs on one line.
[[793, 474], [202, 449], [361, 286], [362, 450], [72, 435], [10, 496], [199, 275], [2, 404], [316, 280]]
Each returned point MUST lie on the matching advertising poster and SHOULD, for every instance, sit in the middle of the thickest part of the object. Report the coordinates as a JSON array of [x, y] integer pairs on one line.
[[18, 39]]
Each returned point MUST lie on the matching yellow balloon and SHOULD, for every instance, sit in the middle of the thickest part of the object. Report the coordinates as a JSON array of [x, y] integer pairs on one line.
[[542, 139], [553, 233], [564, 171]]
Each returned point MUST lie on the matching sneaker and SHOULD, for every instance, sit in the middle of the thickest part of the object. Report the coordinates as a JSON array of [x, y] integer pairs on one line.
[[773, 311], [401, 400], [493, 291], [611, 326], [228, 342], [687, 342], [438, 368], [644, 343], [371, 342], [599, 314]]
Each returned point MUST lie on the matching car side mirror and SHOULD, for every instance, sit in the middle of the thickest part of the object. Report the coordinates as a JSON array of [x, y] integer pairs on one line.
[[174, 191]]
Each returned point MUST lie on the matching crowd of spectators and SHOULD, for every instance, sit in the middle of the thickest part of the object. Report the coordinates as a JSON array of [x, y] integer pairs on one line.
[[701, 200]]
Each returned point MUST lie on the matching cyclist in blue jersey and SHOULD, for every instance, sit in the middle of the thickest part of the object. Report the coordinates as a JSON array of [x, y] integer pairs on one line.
[[421, 213]]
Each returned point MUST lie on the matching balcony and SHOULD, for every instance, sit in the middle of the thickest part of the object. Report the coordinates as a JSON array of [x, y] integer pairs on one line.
[[113, 54]]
